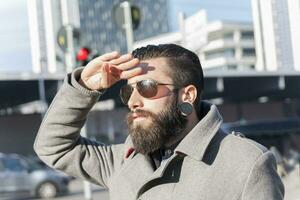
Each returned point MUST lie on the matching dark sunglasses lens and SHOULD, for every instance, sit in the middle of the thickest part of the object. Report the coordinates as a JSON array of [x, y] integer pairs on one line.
[[125, 93], [147, 88]]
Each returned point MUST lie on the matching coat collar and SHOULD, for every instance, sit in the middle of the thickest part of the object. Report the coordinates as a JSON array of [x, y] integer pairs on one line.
[[195, 143], [138, 169]]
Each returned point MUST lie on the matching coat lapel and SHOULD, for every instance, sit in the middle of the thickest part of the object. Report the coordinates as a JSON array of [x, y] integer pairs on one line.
[[137, 167]]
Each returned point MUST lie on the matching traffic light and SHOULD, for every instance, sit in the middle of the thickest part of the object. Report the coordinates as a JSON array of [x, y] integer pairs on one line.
[[136, 17], [83, 56]]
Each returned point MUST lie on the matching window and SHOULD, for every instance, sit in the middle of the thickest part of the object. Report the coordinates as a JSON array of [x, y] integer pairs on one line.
[[247, 35], [232, 67], [248, 52], [227, 53], [13, 164], [228, 35]]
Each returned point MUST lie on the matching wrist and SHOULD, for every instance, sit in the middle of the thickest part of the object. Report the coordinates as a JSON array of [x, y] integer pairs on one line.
[[81, 82]]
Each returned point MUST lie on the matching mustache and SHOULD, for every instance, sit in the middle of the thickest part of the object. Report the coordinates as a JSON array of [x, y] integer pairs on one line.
[[140, 112]]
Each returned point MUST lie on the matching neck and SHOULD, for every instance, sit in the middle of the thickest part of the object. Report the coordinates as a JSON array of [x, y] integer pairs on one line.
[[191, 123]]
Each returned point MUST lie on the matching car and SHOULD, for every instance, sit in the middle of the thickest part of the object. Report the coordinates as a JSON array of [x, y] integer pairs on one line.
[[23, 177]]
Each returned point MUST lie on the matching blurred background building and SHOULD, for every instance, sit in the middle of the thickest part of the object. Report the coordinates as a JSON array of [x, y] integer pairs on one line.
[[45, 20], [100, 31], [220, 45], [93, 25], [277, 34]]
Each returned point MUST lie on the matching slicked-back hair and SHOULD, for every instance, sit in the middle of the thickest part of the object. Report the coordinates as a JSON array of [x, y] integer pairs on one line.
[[184, 64]]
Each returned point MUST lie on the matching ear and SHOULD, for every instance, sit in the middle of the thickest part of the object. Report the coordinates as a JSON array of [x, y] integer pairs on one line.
[[189, 94]]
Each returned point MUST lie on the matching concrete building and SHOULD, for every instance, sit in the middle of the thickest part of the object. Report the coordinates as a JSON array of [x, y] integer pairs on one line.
[[230, 46], [219, 44], [44, 22], [277, 34]]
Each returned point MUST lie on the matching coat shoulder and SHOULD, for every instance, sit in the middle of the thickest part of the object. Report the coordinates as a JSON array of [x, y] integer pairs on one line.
[[240, 146]]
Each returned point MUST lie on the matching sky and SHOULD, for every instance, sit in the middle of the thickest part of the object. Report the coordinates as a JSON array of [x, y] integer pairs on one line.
[[15, 55], [14, 36], [229, 10]]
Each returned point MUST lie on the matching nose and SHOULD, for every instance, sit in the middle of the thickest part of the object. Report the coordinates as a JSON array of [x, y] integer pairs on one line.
[[135, 100]]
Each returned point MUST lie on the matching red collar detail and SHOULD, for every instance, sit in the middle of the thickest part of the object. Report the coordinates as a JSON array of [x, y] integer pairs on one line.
[[129, 152]]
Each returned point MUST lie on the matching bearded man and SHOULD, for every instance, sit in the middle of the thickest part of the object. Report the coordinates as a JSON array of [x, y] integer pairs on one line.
[[175, 148]]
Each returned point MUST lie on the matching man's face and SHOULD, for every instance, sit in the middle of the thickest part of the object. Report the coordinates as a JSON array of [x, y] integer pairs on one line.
[[152, 121]]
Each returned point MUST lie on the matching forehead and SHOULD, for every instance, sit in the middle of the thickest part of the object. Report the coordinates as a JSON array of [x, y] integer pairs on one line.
[[157, 69]]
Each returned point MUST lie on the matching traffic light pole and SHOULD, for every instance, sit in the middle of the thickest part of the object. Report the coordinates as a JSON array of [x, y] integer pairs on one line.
[[128, 25], [69, 54]]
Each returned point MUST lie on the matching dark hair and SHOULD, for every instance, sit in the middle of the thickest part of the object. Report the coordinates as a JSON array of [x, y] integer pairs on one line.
[[185, 65]]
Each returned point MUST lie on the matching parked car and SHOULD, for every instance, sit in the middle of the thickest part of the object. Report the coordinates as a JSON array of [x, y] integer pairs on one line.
[[22, 177]]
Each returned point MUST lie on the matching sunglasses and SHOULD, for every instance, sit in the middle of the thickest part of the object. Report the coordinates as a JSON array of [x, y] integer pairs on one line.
[[147, 88]]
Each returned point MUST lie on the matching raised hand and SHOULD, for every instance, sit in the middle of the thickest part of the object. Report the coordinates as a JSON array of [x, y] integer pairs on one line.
[[104, 71]]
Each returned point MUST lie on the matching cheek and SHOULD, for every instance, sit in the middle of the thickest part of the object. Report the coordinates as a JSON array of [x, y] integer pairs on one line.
[[158, 105]]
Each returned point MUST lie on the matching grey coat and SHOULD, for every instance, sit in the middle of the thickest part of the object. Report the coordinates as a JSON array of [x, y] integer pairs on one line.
[[208, 164]]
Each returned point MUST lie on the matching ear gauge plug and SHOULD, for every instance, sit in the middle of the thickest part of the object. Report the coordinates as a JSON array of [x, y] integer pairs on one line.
[[186, 109]]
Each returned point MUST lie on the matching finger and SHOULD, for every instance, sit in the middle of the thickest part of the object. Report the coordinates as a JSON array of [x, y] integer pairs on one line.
[[105, 76], [109, 56], [128, 65], [122, 59], [92, 68], [114, 71], [131, 73], [96, 63]]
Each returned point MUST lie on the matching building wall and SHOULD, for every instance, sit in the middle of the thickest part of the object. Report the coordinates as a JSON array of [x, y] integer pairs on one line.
[[44, 22], [294, 16]]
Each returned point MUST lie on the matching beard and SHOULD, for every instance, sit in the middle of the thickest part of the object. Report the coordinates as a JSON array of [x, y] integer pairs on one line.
[[163, 126]]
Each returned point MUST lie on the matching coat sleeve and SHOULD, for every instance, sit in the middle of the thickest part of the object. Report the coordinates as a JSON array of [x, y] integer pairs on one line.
[[263, 182], [59, 144]]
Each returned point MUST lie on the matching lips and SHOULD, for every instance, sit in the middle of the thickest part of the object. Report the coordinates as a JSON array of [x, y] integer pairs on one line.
[[137, 116]]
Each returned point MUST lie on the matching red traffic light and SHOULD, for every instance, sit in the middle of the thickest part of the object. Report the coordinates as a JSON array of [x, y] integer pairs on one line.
[[83, 54]]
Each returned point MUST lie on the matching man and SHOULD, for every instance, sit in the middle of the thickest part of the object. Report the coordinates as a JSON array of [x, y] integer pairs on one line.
[[175, 148]]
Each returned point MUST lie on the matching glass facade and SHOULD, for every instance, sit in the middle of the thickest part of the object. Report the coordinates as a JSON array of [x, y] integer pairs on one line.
[[282, 31], [100, 32]]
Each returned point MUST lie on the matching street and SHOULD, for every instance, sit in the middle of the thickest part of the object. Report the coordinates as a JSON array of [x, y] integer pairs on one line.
[[76, 192]]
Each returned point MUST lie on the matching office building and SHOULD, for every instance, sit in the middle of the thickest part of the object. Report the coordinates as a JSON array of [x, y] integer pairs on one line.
[[277, 34], [101, 33]]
